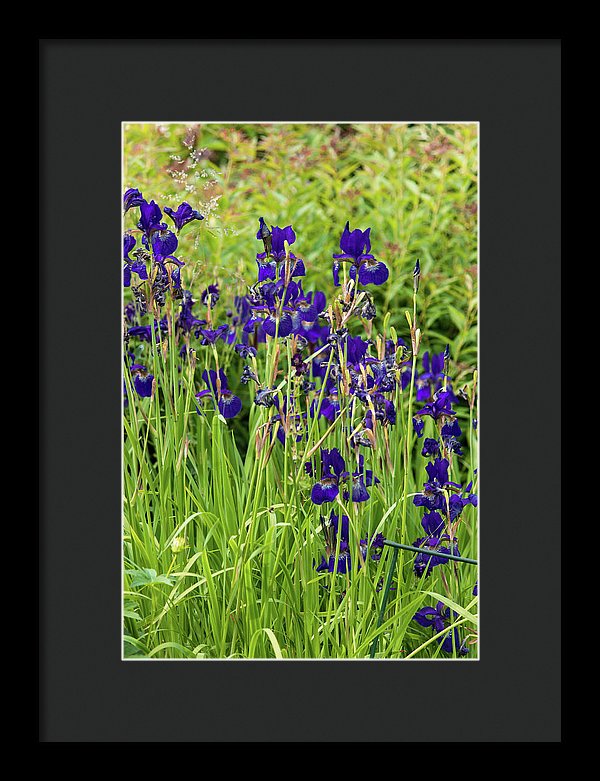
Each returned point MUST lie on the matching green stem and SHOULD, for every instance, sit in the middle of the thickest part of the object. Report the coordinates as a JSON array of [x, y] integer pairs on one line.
[[386, 592]]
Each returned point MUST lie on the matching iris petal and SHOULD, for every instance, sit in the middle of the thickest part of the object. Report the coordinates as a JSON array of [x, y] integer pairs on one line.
[[229, 405], [325, 490], [373, 273]]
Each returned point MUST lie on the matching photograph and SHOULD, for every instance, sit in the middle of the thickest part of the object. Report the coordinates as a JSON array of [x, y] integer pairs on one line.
[[300, 391]]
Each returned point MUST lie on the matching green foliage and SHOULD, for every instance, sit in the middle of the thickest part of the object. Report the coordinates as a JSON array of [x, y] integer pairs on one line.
[[414, 185]]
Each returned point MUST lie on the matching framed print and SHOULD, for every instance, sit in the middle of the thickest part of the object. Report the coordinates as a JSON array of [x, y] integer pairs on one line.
[[286, 439]]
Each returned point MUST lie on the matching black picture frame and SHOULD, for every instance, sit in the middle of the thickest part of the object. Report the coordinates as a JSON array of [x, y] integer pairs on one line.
[[87, 88]]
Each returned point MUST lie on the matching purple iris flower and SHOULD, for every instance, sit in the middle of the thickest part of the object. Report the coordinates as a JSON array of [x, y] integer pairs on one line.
[[176, 280], [210, 296], [458, 503], [127, 275], [425, 562], [266, 269], [300, 368], [434, 497], [361, 479], [388, 412], [253, 326], [433, 524], [311, 330], [340, 524], [130, 313], [330, 406], [210, 336], [144, 332], [343, 563], [131, 266], [356, 247], [183, 215], [245, 351], [405, 376], [274, 254], [300, 307], [356, 349], [128, 244], [385, 414], [247, 375], [361, 385], [264, 234], [430, 379], [142, 380], [164, 277], [164, 244], [186, 320], [432, 617], [333, 470], [438, 618], [450, 434], [269, 325], [433, 367], [418, 427], [319, 299], [472, 499], [228, 404], [391, 348], [278, 237], [132, 198], [376, 545], [243, 308], [383, 375], [431, 448], [439, 407], [476, 589], [333, 473], [287, 306], [150, 218], [275, 322], [437, 471], [265, 397]]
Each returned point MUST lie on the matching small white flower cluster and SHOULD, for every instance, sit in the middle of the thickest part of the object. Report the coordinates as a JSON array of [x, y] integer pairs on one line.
[[207, 208], [179, 176]]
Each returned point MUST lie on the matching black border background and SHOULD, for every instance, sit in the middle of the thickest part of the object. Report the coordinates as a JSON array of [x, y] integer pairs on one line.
[[87, 87]]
